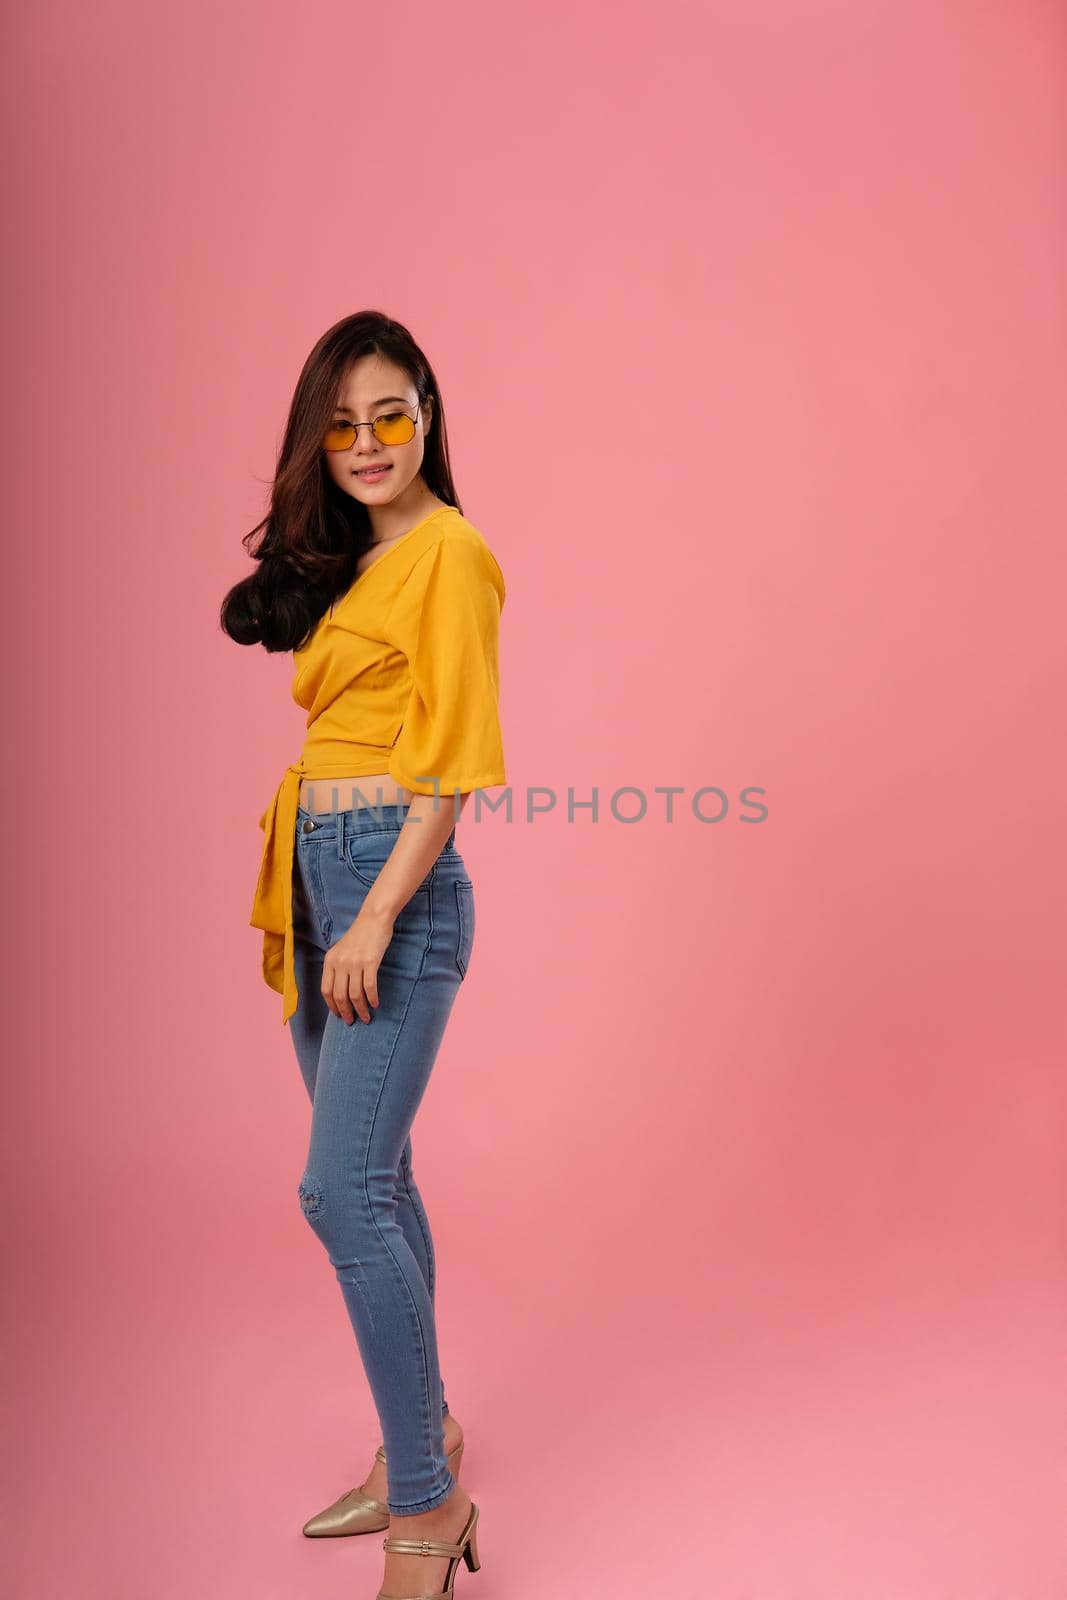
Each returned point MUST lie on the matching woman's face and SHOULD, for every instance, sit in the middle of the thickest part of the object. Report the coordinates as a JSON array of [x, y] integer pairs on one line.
[[375, 387]]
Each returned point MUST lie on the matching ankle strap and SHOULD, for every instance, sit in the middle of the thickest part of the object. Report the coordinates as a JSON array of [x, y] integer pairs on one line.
[[424, 1547]]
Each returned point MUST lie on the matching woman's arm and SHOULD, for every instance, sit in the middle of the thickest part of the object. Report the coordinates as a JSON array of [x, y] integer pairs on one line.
[[350, 969], [445, 622]]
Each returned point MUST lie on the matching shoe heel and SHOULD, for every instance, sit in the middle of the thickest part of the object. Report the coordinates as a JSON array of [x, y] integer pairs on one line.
[[470, 1552]]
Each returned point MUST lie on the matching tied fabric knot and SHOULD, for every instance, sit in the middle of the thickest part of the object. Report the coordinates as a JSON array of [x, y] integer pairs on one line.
[[272, 907]]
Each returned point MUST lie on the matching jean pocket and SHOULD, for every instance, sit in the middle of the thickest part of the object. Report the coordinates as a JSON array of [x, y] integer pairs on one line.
[[365, 854], [465, 920]]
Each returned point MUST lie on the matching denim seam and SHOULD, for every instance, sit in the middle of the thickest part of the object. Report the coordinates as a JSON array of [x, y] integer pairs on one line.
[[374, 1219], [421, 1220], [424, 1229], [319, 907], [463, 908]]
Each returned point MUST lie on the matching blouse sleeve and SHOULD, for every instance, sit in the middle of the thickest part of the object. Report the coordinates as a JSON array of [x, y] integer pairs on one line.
[[446, 622]]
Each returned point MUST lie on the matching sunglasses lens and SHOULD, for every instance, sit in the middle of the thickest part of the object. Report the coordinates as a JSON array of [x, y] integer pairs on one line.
[[394, 429], [339, 437]]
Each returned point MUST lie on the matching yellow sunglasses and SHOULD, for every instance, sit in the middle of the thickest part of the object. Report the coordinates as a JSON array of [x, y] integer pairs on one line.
[[395, 427]]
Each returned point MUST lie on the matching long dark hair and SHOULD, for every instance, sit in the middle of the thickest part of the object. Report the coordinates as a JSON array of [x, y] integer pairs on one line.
[[314, 533]]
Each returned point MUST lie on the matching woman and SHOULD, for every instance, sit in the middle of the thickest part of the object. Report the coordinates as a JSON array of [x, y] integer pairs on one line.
[[390, 601]]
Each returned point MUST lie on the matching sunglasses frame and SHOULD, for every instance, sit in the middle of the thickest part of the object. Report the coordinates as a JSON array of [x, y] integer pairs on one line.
[[372, 425]]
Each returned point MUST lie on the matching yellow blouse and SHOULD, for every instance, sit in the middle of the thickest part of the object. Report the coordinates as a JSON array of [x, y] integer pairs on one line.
[[401, 676]]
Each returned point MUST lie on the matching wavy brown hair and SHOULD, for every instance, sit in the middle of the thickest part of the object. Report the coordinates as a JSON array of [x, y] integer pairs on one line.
[[314, 533]]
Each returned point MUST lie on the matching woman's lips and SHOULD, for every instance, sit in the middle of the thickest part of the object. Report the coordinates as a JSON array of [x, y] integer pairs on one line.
[[372, 474]]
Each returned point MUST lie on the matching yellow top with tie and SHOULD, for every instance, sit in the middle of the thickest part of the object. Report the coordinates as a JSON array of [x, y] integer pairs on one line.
[[401, 675]]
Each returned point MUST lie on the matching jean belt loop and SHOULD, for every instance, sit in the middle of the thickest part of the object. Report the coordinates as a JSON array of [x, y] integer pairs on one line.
[[340, 834]]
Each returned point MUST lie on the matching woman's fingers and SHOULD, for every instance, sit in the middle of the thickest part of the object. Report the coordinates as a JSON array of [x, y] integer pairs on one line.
[[326, 986], [359, 999], [350, 967], [370, 983], [350, 991]]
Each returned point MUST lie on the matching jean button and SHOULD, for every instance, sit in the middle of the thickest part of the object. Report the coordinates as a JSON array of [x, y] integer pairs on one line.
[[309, 826]]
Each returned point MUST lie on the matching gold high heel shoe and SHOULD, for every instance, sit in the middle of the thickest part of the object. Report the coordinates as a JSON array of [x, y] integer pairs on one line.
[[356, 1512], [466, 1549]]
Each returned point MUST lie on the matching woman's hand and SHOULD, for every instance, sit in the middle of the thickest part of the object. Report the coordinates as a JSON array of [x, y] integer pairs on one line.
[[350, 967]]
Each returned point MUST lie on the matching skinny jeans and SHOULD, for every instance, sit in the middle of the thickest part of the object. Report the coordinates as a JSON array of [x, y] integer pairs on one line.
[[365, 1082]]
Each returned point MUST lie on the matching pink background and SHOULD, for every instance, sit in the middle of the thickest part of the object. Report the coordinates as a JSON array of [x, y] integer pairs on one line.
[[744, 1153]]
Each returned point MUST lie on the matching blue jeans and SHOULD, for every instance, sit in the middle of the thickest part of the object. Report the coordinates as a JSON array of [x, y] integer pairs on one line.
[[366, 1081]]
